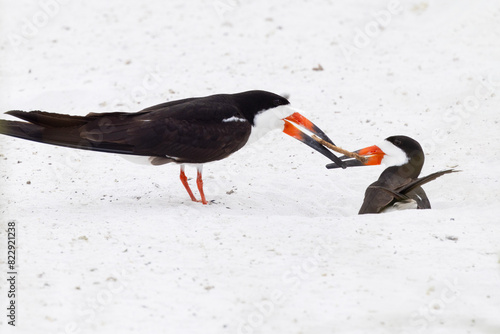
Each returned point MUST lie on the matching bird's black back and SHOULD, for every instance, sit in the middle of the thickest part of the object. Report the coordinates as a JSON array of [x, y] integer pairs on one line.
[[193, 130]]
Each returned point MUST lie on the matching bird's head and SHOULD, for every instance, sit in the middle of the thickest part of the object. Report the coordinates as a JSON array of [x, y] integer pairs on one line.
[[393, 151], [266, 111]]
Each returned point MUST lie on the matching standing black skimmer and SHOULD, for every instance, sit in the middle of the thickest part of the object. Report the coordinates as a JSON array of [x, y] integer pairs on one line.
[[399, 185], [189, 131]]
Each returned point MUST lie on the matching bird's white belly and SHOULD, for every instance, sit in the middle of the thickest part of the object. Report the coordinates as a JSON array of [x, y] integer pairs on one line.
[[146, 160], [137, 159], [409, 204]]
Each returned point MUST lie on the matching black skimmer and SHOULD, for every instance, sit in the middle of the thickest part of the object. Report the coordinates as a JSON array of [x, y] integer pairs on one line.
[[188, 131], [399, 185]]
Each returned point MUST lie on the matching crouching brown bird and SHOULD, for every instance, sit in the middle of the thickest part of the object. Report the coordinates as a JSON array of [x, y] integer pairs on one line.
[[398, 186], [189, 131]]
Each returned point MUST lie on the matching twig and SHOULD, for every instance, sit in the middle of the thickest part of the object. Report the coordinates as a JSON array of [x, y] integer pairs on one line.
[[340, 150]]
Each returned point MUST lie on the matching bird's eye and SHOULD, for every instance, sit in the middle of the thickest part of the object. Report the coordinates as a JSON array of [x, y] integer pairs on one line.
[[397, 142], [278, 102]]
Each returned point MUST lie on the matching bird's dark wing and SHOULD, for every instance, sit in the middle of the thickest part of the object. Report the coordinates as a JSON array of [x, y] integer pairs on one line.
[[383, 192], [191, 130], [394, 194], [423, 180], [415, 191], [376, 199], [203, 137]]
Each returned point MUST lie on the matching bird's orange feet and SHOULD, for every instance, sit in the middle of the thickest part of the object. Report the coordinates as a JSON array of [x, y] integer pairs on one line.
[[199, 183]]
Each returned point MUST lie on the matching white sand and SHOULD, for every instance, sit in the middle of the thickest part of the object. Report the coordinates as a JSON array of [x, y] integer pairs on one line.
[[108, 246]]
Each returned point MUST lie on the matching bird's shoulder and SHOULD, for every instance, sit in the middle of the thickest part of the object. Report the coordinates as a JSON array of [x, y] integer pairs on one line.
[[208, 109]]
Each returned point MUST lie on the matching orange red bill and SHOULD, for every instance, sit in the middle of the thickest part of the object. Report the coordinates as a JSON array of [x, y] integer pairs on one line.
[[373, 154], [292, 130]]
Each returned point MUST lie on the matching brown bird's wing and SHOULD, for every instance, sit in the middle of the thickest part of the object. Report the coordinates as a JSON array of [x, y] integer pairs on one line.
[[415, 191], [376, 197], [384, 193], [406, 188], [394, 194]]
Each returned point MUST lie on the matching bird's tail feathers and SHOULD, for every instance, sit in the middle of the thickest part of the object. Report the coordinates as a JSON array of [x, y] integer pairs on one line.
[[61, 130]]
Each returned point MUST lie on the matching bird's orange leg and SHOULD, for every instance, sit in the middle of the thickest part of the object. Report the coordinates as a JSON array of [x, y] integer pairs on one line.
[[199, 182], [186, 185]]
